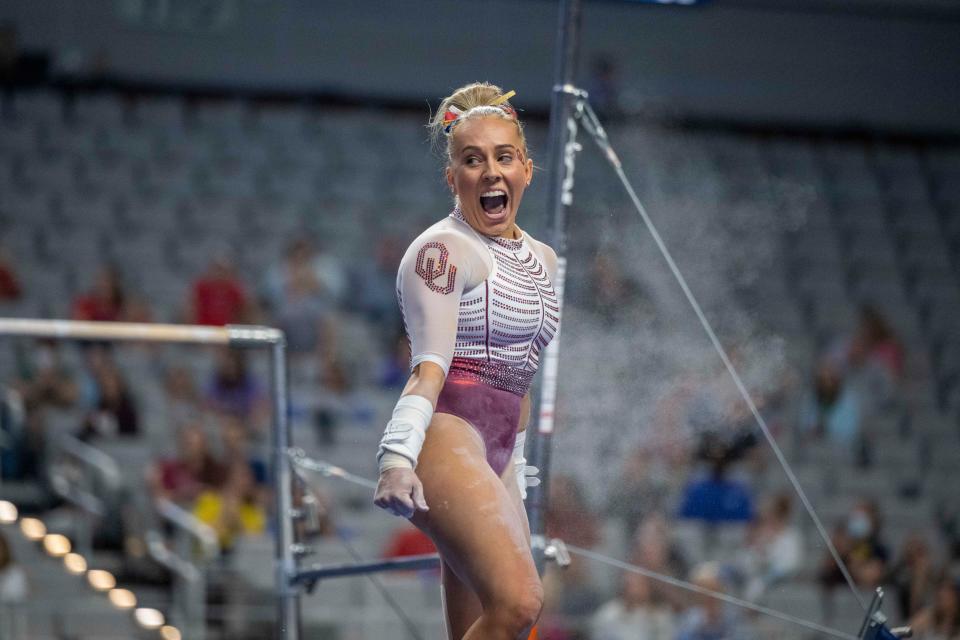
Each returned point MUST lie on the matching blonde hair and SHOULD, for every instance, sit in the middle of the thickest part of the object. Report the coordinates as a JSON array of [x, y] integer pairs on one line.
[[475, 100]]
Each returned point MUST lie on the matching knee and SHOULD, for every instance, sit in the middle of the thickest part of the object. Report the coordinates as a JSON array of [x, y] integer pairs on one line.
[[518, 610]]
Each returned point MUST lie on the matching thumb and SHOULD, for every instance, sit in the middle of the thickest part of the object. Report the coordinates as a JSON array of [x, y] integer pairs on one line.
[[418, 500]]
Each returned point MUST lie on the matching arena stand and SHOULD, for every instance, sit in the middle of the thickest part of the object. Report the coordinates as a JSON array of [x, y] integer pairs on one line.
[[158, 185]]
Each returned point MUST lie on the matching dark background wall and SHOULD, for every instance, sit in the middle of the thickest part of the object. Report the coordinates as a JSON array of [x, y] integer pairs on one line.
[[893, 66]]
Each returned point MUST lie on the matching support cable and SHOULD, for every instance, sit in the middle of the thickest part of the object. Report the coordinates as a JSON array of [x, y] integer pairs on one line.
[[717, 595], [592, 125]]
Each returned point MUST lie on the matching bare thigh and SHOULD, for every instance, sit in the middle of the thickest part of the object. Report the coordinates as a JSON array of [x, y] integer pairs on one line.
[[461, 605], [475, 519]]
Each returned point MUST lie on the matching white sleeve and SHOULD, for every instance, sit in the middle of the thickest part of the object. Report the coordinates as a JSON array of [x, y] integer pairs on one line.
[[435, 271]]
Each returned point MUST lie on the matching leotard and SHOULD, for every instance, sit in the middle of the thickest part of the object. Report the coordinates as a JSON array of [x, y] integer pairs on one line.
[[483, 309]]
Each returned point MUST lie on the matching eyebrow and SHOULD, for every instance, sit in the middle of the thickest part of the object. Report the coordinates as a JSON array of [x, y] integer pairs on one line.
[[499, 146]]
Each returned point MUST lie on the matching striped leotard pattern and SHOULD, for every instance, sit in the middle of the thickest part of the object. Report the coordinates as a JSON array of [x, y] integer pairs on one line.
[[505, 322]]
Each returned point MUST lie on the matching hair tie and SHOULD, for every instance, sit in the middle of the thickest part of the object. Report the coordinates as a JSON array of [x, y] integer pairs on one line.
[[452, 115]]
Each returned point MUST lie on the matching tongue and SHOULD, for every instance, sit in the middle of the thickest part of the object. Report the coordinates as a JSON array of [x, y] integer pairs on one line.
[[493, 204]]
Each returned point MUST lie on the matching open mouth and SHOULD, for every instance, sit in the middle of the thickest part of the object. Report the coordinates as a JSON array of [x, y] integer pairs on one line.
[[494, 203]]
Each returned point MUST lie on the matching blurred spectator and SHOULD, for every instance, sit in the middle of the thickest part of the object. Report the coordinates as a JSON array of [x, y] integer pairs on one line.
[[859, 544], [940, 620], [913, 576], [192, 470], [13, 594], [774, 550], [218, 297], [13, 452], [44, 383], [643, 487], [182, 399], [713, 497], [395, 365], [237, 446], [375, 283], [875, 344], [233, 508], [833, 409], [653, 549], [302, 294], [709, 618], [634, 614], [9, 282], [234, 390], [105, 301], [105, 396], [44, 379]]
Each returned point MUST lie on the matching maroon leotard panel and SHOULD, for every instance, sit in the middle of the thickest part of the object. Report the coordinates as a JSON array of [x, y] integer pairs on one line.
[[493, 413]]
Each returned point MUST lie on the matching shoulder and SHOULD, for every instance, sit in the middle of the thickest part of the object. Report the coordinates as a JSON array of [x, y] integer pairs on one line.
[[546, 254], [444, 241]]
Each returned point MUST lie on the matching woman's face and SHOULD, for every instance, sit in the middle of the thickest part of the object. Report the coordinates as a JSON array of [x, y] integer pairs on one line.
[[489, 172]]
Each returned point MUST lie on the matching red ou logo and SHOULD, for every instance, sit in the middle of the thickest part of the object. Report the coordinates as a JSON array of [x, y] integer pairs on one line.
[[432, 266]]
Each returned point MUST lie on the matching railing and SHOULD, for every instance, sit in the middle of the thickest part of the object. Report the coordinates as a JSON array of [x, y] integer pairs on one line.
[[190, 585], [90, 483]]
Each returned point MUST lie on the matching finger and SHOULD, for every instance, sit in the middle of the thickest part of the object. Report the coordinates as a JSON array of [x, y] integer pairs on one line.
[[403, 505], [418, 498]]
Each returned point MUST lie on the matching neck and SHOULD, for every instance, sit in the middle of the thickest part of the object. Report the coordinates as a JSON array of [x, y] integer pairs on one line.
[[513, 233]]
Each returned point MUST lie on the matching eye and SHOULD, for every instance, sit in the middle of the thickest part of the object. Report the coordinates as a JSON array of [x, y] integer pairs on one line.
[[472, 161], [505, 157]]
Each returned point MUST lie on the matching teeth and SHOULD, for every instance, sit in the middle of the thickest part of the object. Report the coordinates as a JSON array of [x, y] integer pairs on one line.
[[491, 194]]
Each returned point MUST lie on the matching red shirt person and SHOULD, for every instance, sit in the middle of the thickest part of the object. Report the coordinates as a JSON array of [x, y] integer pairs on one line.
[[218, 297], [104, 301]]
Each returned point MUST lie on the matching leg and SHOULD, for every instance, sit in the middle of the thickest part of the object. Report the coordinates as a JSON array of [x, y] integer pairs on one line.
[[474, 522], [461, 605]]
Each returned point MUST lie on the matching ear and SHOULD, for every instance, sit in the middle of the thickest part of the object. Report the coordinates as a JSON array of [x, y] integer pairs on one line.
[[448, 172], [528, 170]]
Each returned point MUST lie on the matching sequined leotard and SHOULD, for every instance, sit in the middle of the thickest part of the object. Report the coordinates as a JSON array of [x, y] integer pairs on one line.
[[483, 309]]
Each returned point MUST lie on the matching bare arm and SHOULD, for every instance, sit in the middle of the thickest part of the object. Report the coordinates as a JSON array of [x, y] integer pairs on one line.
[[426, 380]]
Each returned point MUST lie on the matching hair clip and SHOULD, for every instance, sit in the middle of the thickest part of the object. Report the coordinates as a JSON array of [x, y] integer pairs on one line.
[[450, 118], [453, 113]]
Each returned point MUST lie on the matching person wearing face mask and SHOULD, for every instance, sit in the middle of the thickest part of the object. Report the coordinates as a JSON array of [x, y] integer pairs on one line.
[[479, 307], [858, 542]]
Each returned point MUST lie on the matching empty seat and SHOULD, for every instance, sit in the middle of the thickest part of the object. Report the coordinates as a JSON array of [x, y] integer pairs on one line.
[[39, 105], [925, 250], [870, 249], [913, 216]]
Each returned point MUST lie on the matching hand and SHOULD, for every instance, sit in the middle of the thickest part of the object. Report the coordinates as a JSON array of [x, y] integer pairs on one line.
[[400, 492]]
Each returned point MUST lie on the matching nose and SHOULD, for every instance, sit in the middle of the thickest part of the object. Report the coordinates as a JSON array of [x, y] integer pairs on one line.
[[491, 173]]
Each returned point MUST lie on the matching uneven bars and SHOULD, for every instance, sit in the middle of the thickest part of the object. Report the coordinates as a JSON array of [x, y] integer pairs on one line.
[[288, 605], [237, 335]]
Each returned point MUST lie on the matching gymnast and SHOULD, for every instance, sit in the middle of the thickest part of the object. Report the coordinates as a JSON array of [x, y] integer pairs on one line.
[[479, 308]]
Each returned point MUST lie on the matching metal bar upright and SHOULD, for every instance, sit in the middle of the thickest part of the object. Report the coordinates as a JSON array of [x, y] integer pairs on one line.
[[288, 601], [559, 196]]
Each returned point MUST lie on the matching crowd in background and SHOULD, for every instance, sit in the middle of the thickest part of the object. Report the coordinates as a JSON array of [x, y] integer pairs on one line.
[[701, 472], [218, 473]]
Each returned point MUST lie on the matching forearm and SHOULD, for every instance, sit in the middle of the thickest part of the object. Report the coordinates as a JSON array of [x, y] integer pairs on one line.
[[427, 381], [407, 429]]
